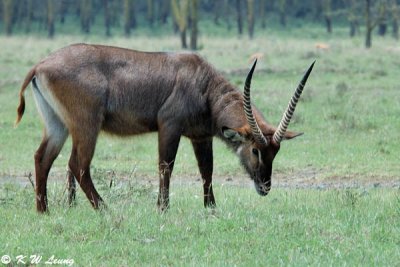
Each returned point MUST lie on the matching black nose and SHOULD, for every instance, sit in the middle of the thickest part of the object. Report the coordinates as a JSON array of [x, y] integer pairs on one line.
[[263, 188]]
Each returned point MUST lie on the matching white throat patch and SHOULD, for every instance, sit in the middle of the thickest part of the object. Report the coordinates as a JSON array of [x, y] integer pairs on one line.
[[239, 150]]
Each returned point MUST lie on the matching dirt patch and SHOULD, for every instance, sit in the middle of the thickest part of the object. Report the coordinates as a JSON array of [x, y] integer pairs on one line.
[[305, 179], [313, 181]]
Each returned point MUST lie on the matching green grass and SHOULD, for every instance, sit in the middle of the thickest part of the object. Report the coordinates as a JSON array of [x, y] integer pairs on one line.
[[350, 115], [289, 228]]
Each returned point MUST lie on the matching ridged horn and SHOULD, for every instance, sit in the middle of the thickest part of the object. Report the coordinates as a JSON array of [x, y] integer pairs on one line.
[[255, 129], [287, 116]]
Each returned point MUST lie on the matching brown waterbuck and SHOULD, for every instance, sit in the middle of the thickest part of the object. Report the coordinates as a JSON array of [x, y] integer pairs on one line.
[[83, 89]]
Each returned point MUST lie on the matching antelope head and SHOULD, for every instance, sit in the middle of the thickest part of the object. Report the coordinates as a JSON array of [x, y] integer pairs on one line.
[[258, 142]]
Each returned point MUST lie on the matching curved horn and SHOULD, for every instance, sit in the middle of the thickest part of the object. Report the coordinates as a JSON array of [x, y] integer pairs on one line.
[[255, 129], [280, 132]]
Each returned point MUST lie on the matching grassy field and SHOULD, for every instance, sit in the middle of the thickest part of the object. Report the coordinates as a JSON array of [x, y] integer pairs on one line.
[[288, 228], [350, 115]]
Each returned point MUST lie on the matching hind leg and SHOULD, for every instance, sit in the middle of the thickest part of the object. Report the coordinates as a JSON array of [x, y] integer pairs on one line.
[[168, 142], [44, 158], [54, 137], [71, 188], [83, 147]]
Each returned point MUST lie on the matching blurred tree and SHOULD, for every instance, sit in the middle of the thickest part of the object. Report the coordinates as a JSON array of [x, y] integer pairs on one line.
[[194, 6], [8, 10], [107, 17], [395, 19], [262, 13], [382, 25], [85, 13], [369, 24], [282, 12], [373, 16], [218, 7], [29, 15], [113, 10], [301, 9], [228, 10], [164, 11], [150, 12], [250, 18], [50, 18], [48, 14], [63, 10], [327, 10], [180, 12], [376, 15], [19, 13], [239, 16], [318, 9], [353, 11], [129, 15]]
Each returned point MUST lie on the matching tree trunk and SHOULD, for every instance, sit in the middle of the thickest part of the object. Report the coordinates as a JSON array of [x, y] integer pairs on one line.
[[127, 13], [250, 18], [132, 21], [29, 13], [262, 14], [217, 10], [183, 39], [165, 9], [282, 12], [395, 32], [318, 10], [327, 7], [107, 18], [239, 16], [86, 12], [127, 17], [395, 19], [150, 12], [50, 18], [352, 17], [328, 22], [382, 26], [194, 20], [63, 10], [8, 10], [180, 12], [353, 28], [227, 14], [368, 38], [369, 26]]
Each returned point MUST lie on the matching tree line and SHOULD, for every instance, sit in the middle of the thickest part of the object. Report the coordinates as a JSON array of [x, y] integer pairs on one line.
[[184, 15]]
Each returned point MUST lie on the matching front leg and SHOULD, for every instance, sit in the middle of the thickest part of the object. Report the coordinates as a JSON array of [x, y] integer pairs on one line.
[[168, 142], [204, 155]]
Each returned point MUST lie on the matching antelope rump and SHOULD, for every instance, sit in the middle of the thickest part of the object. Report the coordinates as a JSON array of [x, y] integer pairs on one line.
[[82, 89]]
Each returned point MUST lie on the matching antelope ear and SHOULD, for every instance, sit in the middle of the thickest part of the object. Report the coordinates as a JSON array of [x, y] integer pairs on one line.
[[289, 135], [232, 135]]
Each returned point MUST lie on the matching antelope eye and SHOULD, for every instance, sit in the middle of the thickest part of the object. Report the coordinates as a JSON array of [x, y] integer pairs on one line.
[[255, 151]]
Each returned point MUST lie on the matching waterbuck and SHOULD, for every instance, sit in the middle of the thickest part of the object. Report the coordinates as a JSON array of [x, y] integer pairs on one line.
[[82, 89]]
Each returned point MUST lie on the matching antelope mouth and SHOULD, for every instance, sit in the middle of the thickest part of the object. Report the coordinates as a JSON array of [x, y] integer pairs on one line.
[[262, 188]]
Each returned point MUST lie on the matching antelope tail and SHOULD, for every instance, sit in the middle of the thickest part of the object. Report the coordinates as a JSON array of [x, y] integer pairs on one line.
[[21, 106]]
